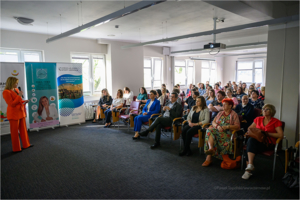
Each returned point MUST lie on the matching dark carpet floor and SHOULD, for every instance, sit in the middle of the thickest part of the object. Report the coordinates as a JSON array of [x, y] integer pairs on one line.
[[90, 162]]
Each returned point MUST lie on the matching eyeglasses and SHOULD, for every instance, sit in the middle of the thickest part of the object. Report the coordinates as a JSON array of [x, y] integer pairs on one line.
[[266, 109]]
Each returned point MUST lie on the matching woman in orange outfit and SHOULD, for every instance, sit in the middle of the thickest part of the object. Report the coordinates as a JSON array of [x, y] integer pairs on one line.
[[16, 114]]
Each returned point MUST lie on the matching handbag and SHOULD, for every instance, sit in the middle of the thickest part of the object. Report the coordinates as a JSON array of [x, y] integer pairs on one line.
[[259, 135], [291, 179], [230, 164]]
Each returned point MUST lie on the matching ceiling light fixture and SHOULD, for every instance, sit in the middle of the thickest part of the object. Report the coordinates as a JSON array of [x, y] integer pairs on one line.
[[24, 21], [108, 18]]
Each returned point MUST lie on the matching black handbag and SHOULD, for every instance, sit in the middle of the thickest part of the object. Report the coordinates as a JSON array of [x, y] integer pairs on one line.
[[291, 179]]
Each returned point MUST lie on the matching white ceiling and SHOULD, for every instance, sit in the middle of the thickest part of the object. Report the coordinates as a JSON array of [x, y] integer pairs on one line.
[[167, 19]]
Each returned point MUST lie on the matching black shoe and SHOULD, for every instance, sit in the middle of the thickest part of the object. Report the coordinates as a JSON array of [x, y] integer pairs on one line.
[[189, 153], [144, 133], [31, 145], [155, 145], [135, 138], [183, 153]]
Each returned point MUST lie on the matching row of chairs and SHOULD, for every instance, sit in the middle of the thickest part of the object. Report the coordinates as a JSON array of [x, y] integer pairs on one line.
[[237, 137]]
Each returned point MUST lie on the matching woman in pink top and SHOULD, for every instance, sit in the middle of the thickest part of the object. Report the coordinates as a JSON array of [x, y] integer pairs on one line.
[[229, 95], [217, 89]]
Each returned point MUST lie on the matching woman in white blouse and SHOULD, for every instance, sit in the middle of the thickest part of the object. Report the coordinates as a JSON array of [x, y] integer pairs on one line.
[[160, 97], [45, 111], [128, 96], [116, 104]]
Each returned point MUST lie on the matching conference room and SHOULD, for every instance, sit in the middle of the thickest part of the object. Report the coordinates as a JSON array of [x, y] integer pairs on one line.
[[145, 99]]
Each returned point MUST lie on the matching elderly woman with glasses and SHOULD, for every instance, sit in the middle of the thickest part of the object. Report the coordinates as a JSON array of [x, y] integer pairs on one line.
[[218, 136], [272, 127]]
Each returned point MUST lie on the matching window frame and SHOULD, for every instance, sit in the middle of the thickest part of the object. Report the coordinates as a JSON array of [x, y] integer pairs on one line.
[[210, 64], [152, 68], [186, 61], [90, 57], [21, 52], [253, 69]]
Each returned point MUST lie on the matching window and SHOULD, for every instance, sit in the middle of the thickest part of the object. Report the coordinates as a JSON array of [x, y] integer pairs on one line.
[[183, 72], [153, 72], [209, 72], [18, 55], [250, 71], [93, 72]]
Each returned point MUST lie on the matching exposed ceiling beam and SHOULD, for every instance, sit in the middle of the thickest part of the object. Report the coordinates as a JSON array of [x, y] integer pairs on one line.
[[108, 18], [228, 47], [222, 30], [242, 8]]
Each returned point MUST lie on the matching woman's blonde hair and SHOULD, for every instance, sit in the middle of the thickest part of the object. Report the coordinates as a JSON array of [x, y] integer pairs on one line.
[[272, 109], [164, 91], [263, 88], [41, 107], [10, 83], [107, 93]]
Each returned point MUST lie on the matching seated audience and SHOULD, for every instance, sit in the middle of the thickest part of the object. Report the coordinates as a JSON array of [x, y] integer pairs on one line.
[[164, 92], [201, 89], [257, 86], [206, 94], [234, 91], [191, 103], [175, 90], [211, 97], [272, 127], [198, 116], [128, 96], [160, 97], [251, 88], [262, 94], [230, 96], [143, 96], [218, 136], [152, 107], [246, 110], [189, 89], [217, 89], [255, 101], [116, 104], [245, 89], [104, 102], [240, 93], [220, 85], [216, 105], [171, 111], [190, 98], [164, 86]]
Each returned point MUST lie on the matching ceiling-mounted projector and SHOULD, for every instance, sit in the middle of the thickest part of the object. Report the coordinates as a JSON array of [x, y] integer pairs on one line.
[[215, 45]]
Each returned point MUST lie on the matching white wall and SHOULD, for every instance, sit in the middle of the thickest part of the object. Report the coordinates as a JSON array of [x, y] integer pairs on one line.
[[125, 67], [282, 80], [57, 51]]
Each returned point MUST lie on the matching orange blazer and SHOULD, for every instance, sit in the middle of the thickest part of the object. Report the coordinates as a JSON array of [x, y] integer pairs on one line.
[[15, 107]]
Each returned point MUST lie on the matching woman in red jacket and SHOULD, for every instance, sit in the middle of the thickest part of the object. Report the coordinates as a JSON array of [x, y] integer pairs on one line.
[[16, 114]]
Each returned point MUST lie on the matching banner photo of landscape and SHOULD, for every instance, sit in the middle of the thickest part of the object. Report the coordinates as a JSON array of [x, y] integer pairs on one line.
[[70, 92], [42, 93], [9, 69]]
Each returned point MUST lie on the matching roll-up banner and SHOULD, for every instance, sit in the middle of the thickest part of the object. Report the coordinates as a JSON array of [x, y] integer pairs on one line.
[[10, 69], [70, 92], [42, 93]]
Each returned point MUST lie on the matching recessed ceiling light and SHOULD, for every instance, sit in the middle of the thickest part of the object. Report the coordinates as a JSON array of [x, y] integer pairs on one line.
[[111, 35]]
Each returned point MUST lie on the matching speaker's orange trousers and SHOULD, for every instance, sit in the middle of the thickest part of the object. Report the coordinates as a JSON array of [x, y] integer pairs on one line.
[[17, 126]]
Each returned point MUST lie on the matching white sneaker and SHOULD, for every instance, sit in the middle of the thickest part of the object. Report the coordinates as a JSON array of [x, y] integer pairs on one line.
[[249, 167], [246, 175]]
